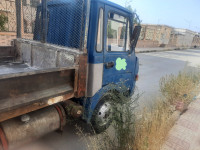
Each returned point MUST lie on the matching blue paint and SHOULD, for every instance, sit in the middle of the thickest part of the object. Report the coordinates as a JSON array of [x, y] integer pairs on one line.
[[112, 78], [91, 103]]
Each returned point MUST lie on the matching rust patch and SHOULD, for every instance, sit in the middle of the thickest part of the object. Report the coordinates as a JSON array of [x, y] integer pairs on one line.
[[55, 100], [82, 73]]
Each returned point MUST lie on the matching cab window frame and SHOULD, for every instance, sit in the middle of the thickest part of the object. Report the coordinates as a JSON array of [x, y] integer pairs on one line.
[[102, 32], [126, 36]]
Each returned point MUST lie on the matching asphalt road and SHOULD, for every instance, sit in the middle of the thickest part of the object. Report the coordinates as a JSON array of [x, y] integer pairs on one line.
[[153, 66], [156, 65]]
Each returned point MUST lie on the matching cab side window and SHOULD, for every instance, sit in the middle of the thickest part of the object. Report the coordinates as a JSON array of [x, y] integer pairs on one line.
[[99, 43], [117, 33]]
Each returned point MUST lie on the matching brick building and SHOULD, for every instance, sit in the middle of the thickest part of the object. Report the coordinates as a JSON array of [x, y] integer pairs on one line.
[[154, 36], [8, 9]]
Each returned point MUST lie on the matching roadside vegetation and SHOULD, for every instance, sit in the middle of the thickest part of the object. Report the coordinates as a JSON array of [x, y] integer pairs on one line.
[[3, 21], [147, 129]]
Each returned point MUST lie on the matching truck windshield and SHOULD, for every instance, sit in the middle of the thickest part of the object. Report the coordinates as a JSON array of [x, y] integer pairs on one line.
[[117, 29]]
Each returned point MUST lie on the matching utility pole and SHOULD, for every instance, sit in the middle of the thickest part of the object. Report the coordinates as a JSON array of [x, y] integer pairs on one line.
[[44, 21], [18, 4]]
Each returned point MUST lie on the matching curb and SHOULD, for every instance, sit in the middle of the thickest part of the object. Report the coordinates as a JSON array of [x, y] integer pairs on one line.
[[185, 134], [160, 50]]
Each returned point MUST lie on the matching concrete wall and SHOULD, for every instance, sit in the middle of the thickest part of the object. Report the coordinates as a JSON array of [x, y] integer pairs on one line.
[[184, 37], [153, 36], [42, 55]]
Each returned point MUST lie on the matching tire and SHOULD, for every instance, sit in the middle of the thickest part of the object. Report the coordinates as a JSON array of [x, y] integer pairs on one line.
[[102, 115]]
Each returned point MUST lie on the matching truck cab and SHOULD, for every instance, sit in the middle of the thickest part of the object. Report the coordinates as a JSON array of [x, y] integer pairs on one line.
[[112, 62]]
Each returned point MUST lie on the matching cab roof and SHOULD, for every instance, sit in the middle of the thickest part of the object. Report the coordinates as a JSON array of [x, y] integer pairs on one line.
[[113, 5], [107, 2]]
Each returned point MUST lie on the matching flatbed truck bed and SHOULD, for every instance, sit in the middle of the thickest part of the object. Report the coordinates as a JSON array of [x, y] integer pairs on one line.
[[28, 84]]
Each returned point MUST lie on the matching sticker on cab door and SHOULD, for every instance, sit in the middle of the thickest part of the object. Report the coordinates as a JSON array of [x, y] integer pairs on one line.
[[121, 64]]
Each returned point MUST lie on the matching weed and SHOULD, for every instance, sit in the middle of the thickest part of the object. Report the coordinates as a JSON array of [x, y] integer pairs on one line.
[[3, 21]]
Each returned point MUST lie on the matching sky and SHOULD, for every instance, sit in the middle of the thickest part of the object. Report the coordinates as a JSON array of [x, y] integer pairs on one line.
[[176, 13]]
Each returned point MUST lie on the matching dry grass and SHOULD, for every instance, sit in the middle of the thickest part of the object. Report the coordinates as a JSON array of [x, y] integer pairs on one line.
[[180, 87], [149, 131], [152, 128]]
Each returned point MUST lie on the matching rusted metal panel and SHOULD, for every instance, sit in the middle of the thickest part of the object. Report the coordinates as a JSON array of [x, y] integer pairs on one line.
[[82, 76], [34, 106], [76, 80], [28, 88], [7, 51]]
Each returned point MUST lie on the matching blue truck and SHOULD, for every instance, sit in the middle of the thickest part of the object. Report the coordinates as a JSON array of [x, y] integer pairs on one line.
[[81, 51]]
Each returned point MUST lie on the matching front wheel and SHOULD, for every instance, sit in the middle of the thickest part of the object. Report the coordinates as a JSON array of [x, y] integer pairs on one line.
[[102, 116]]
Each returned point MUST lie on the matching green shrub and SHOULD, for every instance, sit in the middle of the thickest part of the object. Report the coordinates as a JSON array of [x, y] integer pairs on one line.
[[3, 21]]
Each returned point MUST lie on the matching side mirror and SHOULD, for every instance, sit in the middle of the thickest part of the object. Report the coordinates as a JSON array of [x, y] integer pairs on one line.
[[135, 36]]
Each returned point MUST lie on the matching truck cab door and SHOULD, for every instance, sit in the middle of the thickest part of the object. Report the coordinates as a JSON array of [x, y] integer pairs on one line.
[[119, 60]]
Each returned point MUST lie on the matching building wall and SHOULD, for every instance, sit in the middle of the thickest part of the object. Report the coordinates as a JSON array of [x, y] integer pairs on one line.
[[154, 36], [147, 44], [6, 38], [196, 41], [165, 34], [184, 37], [8, 9], [172, 40]]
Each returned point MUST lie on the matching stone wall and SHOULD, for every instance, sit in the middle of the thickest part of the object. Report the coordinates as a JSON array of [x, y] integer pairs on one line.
[[154, 36]]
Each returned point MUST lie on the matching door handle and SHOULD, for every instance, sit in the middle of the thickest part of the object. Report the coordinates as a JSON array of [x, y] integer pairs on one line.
[[110, 65]]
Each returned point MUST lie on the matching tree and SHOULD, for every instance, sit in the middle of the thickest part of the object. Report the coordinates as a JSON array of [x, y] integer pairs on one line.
[[136, 18], [3, 21]]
